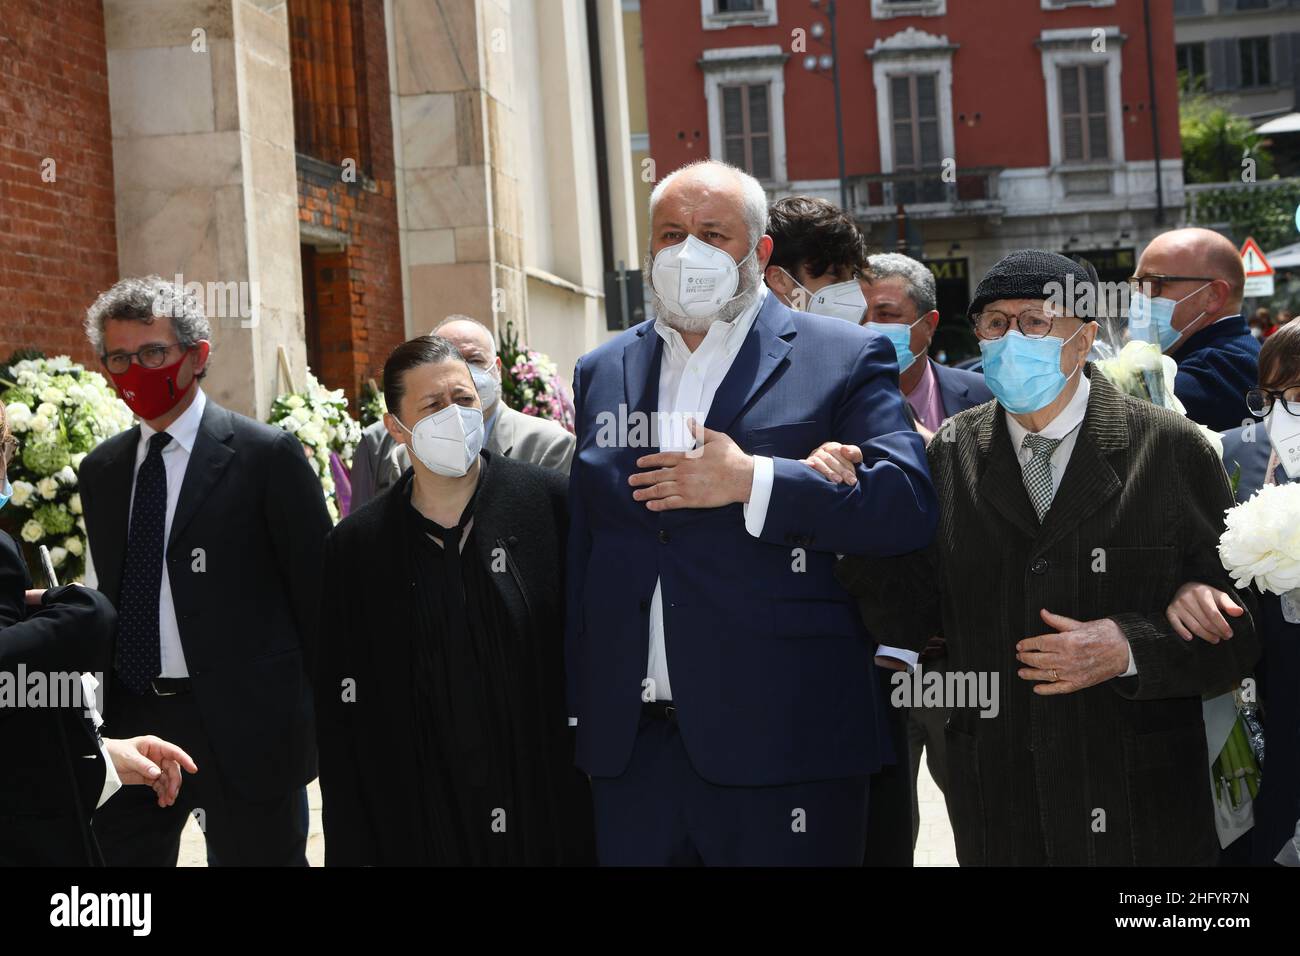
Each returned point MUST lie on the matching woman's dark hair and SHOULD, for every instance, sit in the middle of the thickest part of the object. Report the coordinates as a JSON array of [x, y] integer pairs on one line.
[[424, 350], [815, 234], [1279, 357]]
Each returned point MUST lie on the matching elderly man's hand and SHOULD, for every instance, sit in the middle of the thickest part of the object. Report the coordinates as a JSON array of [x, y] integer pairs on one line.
[[1199, 609], [1082, 654], [835, 462], [151, 761], [714, 474]]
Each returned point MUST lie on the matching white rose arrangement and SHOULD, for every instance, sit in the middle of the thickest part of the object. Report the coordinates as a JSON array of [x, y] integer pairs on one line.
[[318, 417], [58, 411], [1261, 545]]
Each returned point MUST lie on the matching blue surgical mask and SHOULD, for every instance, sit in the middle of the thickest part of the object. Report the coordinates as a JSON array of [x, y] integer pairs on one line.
[[6, 494], [1025, 374], [901, 336], [1151, 320]]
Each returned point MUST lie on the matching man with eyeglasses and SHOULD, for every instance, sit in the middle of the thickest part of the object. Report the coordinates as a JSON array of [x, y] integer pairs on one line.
[[1070, 515], [207, 531], [1187, 294]]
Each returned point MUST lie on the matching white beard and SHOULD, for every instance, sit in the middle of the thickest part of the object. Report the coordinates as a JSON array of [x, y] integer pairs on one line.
[[747, 292]]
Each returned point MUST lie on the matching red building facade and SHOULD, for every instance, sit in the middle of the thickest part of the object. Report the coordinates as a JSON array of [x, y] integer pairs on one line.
[[987, 125], [58, 245]]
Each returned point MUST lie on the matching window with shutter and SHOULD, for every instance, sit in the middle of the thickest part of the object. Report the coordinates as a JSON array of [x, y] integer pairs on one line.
[[1085, 131], [747, 128], [1256, 61], [1191, 65], [914, 108]]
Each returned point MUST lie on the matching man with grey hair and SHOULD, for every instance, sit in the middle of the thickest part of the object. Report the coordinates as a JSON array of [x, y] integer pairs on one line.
[[207, 531], [702, 544], [901, 304], [379, 461]]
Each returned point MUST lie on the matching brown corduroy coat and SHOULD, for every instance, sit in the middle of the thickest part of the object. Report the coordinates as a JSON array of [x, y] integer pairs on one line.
[[1115, 774]]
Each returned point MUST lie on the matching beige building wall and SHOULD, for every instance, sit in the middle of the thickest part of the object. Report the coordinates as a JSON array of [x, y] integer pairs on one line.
[[498, 206], [644, 173], [203, 163]]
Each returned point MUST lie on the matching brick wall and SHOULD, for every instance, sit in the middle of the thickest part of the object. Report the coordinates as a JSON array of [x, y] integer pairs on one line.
[[58, 246], [357, 291]]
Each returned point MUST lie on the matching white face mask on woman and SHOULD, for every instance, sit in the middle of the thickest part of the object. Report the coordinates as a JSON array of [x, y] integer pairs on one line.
[[448, 441]]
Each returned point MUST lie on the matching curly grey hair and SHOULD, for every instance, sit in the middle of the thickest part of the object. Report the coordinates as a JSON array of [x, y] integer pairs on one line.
[[917, 277], [144, 300]]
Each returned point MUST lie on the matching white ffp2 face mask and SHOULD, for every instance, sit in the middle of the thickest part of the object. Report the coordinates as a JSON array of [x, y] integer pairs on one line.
[[695, 279], [843, 300], [1283, 430], [487, 384], [448, 441]]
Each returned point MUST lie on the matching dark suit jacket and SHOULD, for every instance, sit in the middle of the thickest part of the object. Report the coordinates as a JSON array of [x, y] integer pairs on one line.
[[1246, 461], [368, 783], [1216, 367], [244, 560], [53, 770], [960, 389], [772, 672], [1145, 494]]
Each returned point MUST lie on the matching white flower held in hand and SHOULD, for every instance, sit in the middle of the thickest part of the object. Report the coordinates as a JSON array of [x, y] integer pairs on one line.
[[1262, 540]]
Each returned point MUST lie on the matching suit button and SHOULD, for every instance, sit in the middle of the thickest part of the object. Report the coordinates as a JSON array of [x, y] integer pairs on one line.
[[663, 537], [1040, 566]]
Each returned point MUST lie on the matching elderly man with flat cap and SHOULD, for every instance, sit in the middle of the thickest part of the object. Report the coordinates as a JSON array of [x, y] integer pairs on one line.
[[1070, 516], [1189, 285]]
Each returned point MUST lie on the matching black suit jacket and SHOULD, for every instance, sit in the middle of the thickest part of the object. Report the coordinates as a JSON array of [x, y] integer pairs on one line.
[[1139, 512], [243, 558], [52, 768]]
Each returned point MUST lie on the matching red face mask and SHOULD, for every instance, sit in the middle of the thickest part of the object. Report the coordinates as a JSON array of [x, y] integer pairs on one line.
[[151, 392]]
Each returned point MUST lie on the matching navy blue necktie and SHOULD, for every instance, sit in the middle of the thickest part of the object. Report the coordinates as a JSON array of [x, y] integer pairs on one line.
[[139, 651]]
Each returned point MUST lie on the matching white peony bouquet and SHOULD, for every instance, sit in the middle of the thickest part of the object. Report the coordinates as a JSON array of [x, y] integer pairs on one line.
[[319, 418], [1262, 542], [58, 411], [1139, 369]]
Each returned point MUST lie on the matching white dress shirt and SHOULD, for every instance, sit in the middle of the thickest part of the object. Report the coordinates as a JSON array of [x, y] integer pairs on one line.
[[1065, 426], [112, 782], [688, 381], [176, 458]]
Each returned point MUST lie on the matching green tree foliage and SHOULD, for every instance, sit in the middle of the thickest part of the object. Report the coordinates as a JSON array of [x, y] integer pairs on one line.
[[1216, 140]]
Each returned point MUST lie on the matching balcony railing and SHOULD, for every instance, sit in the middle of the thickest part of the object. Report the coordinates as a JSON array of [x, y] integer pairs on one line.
[[927, 193]]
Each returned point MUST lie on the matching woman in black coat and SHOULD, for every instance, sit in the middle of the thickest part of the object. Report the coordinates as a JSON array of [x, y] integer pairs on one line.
[[442, 731], [1250, 457]]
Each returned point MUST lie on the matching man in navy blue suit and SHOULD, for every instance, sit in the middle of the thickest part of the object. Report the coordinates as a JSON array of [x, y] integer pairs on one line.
[[1194, 280], [719, 677]]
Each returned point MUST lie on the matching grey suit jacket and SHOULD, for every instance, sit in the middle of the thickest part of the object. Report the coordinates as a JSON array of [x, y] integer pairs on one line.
[[379, 461]]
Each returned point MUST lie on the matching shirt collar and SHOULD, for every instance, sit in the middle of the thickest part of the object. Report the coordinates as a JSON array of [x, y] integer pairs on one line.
[[731, 334], [186, 428], [926, 384], [1068, 420]]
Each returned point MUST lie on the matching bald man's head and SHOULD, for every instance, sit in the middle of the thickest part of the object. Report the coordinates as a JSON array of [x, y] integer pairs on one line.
[[471, 337], [1198, 252], [474, 341], [1207, 278]]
